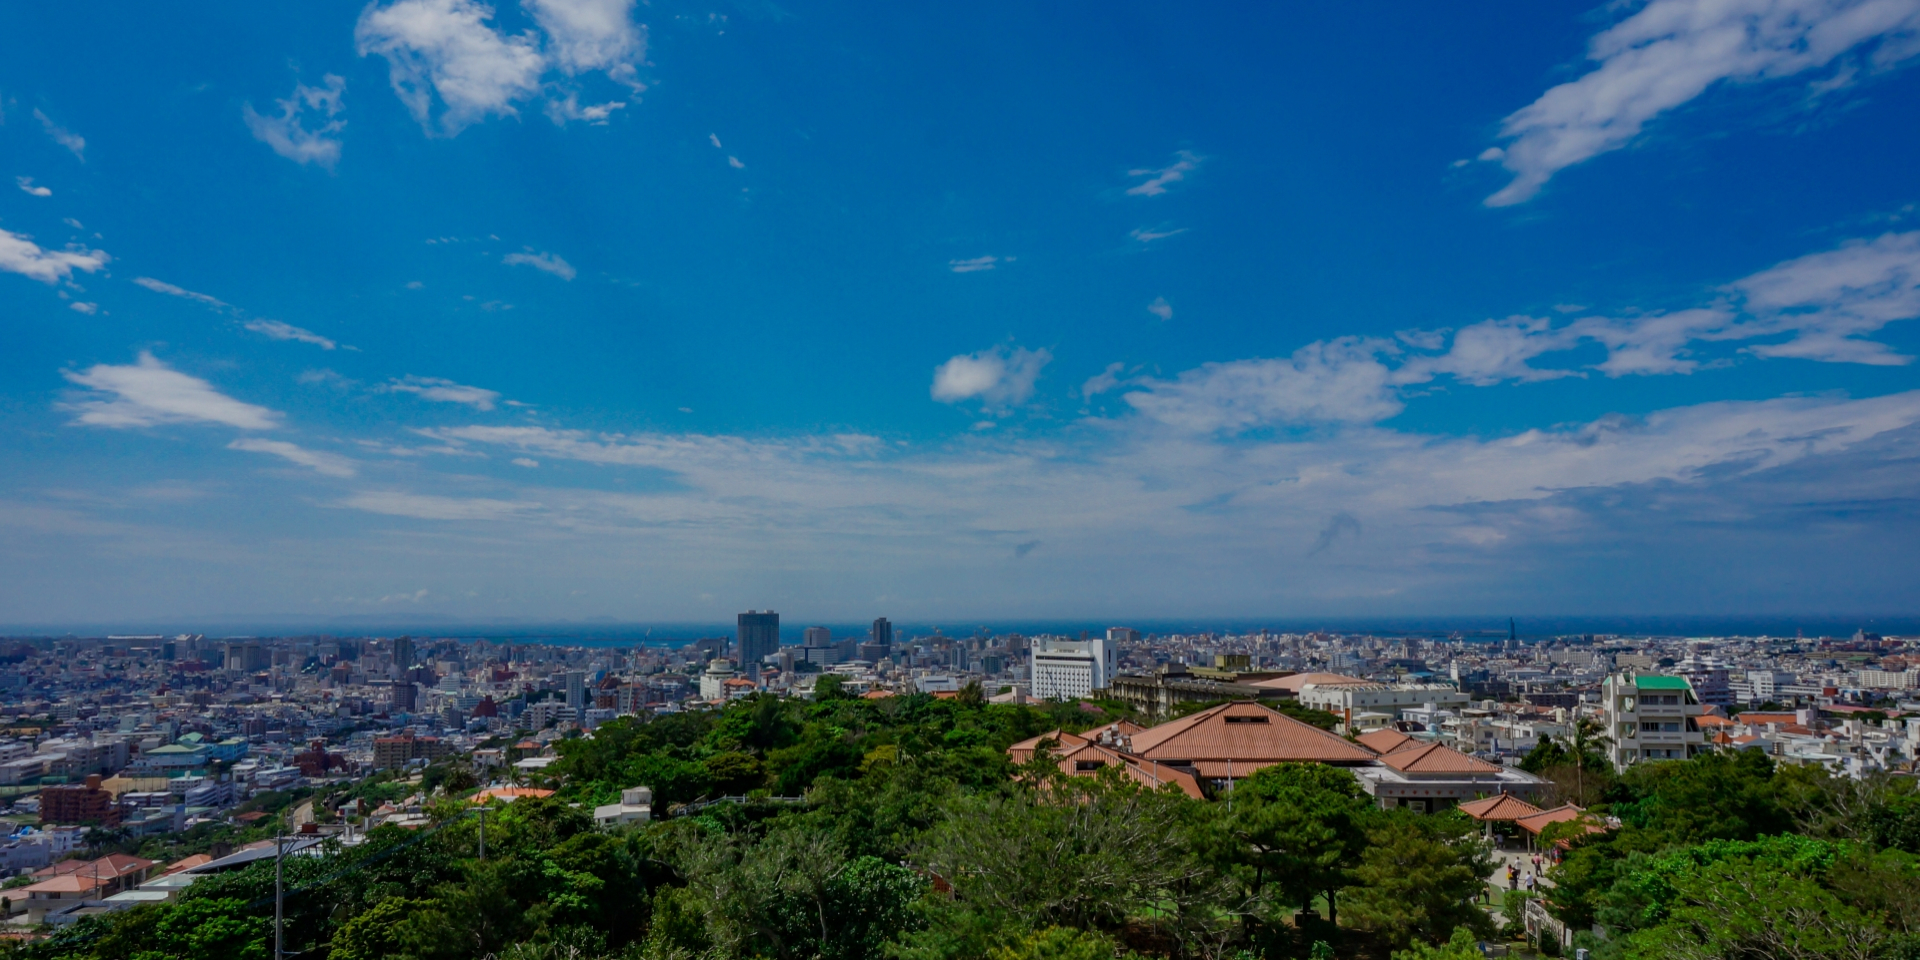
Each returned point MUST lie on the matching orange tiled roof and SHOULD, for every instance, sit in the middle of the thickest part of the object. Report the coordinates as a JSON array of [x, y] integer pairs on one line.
[[69, 883], [1501, 806], [876, 695], [1023, 751], [1436, 758], [1247, 736], [1540, 821], [1706, 720], [187, 863], [1385, 741]]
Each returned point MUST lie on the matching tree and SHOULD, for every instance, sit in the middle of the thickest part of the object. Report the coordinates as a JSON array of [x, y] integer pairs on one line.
[[1083, 852], [1295, 826], [1735, 909], [1461, 946], [1418, 878]]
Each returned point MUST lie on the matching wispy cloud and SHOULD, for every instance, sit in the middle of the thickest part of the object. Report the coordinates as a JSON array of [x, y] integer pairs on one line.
[[83, 306], [1671, 51], [287, 331], [19, 254], [148, 392], [1161, 308], [329, 464], [430, 507], [543, 262], [62, 136], [1146, 236], [1157, 180], [288, 133], [595, 114], [976, 264], [161, 286], [445, 391], [1339, 380], [26, 185], [1002, 376]]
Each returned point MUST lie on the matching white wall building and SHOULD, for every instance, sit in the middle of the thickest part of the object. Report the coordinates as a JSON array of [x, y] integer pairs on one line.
[[1351, 700], [1651, 717], [1065, 669]]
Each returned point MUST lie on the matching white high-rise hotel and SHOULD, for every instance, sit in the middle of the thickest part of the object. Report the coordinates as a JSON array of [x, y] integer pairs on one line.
[[1064, 669]]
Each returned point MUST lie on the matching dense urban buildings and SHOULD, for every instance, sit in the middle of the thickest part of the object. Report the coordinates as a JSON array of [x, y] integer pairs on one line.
[[156, 735]]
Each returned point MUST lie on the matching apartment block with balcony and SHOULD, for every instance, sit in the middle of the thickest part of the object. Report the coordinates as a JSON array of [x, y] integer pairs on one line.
[[1651, 717]]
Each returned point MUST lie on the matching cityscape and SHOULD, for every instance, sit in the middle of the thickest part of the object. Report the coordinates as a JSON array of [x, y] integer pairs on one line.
[[1084, 480], [134, 740]]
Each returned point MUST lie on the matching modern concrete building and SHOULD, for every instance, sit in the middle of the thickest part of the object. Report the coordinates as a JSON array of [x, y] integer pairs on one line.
[[759, 635], [1651, 717], [1065, 669]]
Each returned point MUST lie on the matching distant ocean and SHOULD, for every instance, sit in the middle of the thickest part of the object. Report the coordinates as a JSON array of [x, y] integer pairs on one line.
[[612, 634]]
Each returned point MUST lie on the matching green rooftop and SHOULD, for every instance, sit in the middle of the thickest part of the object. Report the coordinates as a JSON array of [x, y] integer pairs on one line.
[[1662, 683]]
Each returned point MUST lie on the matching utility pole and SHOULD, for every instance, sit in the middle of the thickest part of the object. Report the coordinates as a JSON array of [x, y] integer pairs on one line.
[[279, 896]]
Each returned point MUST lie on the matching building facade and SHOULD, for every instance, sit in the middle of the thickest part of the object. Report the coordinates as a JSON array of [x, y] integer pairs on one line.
[[1651, 717], [759, 635], [1065, 669]]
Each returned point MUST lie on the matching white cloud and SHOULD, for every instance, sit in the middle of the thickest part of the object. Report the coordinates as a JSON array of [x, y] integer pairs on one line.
[[161, 286], [1827, 300], [330, 464], [427, 507], [287, 133], [1334, 381], [1157, 180], [149, 392], [62, 136], [586, 35], [20, 255], [445, 391], [1161, 308], [716, 141], [287, 331], [445, 49], [26, 184], [735, 163], [544, 262], [525, 462], [974, 265], [595, 114], [1671, 51], [1145, 235], [1103, 381], [1493, 351], [82, 306], [1002, 376]]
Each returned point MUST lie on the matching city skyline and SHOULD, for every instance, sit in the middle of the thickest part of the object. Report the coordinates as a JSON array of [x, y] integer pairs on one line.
[[319, 317]]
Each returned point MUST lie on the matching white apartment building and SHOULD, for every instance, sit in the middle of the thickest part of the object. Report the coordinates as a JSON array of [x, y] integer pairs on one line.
[[1351, 700], [1065, 669], [1651, 717]]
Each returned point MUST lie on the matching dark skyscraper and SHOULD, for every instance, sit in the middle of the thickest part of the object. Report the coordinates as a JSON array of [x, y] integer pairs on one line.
[[759, 635], [883, 632]]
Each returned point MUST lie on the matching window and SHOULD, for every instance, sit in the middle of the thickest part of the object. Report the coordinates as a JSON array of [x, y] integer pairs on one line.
[[1082, 766], [1650, 726], [1248, 719]]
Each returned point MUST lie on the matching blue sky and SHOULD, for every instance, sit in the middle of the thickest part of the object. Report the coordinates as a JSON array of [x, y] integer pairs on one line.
[[656, 311]]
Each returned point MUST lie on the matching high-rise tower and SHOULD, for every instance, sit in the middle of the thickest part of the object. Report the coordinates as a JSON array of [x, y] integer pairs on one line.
[[759, 636]]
